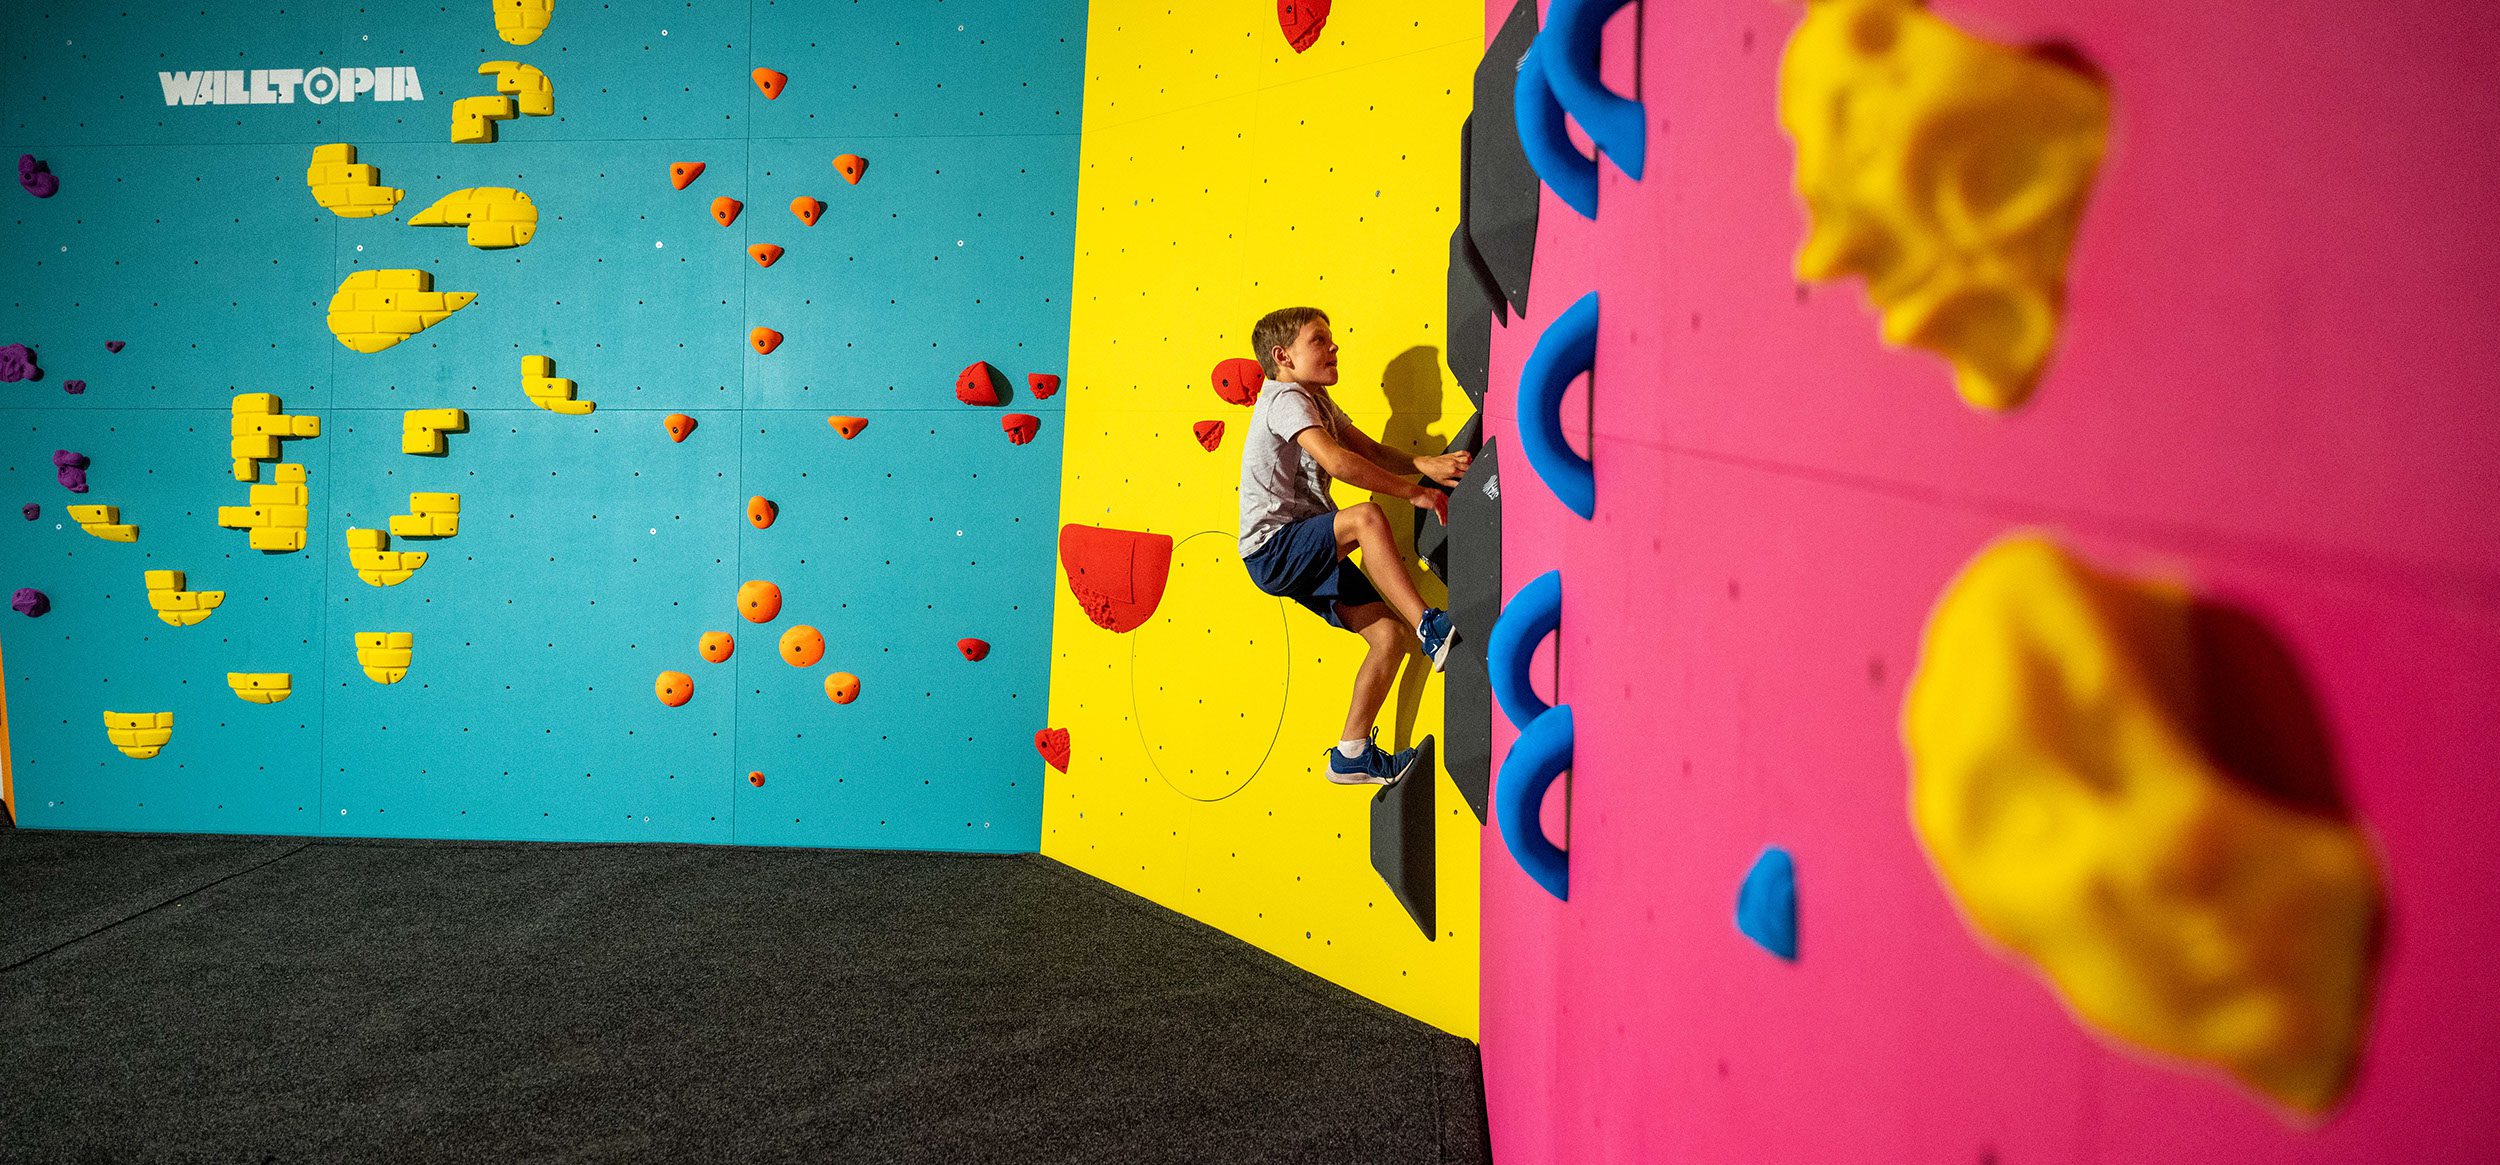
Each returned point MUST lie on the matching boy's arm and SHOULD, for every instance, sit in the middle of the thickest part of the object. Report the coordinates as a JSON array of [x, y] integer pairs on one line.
[[1445, 468], [1356, 470]]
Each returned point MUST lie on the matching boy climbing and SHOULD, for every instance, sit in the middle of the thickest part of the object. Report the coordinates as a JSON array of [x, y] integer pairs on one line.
[[1295, 541]]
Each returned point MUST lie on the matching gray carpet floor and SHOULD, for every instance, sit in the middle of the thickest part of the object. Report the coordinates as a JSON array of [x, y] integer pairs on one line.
[[168, 998]]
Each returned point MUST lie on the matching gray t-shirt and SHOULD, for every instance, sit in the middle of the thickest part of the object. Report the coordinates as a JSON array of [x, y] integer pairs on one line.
[[1281, 484]]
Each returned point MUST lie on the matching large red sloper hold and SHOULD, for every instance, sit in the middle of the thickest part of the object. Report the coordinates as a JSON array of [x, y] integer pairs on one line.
[[1052, 743], [1302, 20], [1116, 575], [978, 385], [1239, 380]]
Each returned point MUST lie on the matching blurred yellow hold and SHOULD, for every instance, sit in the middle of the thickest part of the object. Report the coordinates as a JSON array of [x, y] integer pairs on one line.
[[497, 216], [1947, 171], [376, 309], [2059, 784], [259, 424], [433, 515], [370, 556], [520, 21], [473, 118], [548, 390], [261, 687], [421, 430], [386, 655], [279, 516], [529, 88], [346, 187], [175, 605], [139, 734], [103, 522]]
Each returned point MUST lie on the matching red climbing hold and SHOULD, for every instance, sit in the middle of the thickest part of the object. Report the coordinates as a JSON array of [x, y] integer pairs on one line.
[[1210, 434], [761, 511], [1117, 576], [1238, 381], [679, 425], [807, 209], [1020, 427], [978, 385], [725, 209], [973, 649], [849, 427], [680, 174], [765, 340], [772, 82], [756, 779], [852, 166], [1052, 743], [1042, 384], [1302, 20], [764, 254]]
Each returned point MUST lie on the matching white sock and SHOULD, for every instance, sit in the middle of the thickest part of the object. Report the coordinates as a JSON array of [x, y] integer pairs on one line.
[[1353, 748]]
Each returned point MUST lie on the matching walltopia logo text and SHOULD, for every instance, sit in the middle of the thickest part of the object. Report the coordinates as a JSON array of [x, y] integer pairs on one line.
[[279, 86]]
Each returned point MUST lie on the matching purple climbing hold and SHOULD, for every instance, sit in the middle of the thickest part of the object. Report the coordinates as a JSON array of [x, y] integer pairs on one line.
[[72, 470], [17, 362], [30, 602], [73, 387], [31, 510], [36, 177], [112, 345]]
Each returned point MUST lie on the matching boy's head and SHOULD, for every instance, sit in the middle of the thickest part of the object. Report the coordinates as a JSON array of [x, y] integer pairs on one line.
[[1293, 344]]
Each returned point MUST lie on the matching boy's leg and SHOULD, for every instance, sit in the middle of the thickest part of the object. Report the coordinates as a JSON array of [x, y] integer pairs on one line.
[[1365, 526], [1387, 639]]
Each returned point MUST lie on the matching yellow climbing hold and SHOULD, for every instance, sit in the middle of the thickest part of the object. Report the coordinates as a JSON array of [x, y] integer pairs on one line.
[[370, 556], [279, 515], [259, 423], [531, 92], [1947, 171], [261, 687], [177, 606], [473, 118], [103, 522], [346, 187], [139, 734], [432, 515], [548, 390], [2063, 788], [520, 21], [497, 216], [386, 655], [421, 430], [376, 309]]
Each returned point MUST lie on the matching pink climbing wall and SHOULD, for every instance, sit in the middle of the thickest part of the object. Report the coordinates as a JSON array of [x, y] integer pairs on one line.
[[2280, 378]]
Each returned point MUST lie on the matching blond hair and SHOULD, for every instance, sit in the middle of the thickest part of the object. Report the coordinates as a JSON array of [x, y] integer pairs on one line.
[[1279, 329]]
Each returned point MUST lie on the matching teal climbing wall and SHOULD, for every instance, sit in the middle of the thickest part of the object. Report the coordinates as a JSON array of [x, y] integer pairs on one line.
[[593, 551]]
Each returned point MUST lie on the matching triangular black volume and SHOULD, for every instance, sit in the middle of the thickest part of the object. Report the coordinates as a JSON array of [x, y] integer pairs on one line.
[[1475, 582], [1432, 539], [1402, 841], [1472, 302], [1502, 191]]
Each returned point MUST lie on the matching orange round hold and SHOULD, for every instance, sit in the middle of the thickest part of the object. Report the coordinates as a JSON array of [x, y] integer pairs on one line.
[[716, 646], [802, 646], [759, 601], [674, 688], [761, 511], [756, 779], [841, 687]]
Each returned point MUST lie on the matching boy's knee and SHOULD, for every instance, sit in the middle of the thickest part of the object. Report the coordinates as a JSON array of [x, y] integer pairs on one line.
[[1368, 513]]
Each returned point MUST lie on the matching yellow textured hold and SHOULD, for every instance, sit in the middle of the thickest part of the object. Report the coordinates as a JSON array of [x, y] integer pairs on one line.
[[548, 390], [520, 21], [368, 554], [95, 515], [421, 430], [261, 687], [112, 533], [258, 423], [473, 118], [346, 187], [177, 606], [2062, 789], [279, 515], [386, 656], [433, 515], [497, 216], [529, 88], [373, 310], [139, 734], [1947, 171]]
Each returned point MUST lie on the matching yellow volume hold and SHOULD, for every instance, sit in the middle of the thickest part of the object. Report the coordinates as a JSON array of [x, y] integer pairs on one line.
[[386, 655], [373, 310], [370, 556], [529, 88], [258, 424], [346, 187], [431, 515], [177, 606], [280, 515], [497, 216], [549, 391], [261, 687], [421, 430], [139, 734], [104, 522], [521, 21]]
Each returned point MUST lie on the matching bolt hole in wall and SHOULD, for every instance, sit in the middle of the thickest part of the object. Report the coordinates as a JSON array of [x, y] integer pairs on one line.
[[544, 217]]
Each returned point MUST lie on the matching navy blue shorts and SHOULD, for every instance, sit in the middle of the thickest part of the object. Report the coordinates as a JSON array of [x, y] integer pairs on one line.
[[1300, 562]]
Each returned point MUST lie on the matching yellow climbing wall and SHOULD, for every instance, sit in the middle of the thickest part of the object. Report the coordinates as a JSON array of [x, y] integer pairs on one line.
[[1224, 175]]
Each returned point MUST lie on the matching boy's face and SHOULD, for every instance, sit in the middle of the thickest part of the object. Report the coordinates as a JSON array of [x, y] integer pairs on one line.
[[1312, 359]]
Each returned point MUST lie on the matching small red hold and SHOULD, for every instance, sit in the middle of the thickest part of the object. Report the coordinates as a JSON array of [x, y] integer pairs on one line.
[[852, 166], [849, 427], [756, 779], [771, 81], [764, 254], [1210, 434], [1239, 380], [1020, 427], [725, 209], [681, 174], [1052, 743], [807, 209], [1042, 384], [1117, 576], [678, 425], [978, 384], [1301, 20], [973, 649], [765, 340]]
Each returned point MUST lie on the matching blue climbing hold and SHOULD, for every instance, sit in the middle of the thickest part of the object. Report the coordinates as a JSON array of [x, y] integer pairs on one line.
[[1766, 905]]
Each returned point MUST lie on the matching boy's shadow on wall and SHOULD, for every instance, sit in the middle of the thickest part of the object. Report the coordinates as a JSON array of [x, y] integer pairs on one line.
[[1414, 386]]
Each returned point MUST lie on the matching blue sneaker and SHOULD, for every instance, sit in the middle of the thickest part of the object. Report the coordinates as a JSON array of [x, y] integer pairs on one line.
[[1436, 635], [1374, 767]]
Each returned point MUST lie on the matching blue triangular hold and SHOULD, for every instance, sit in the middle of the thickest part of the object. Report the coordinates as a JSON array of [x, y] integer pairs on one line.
[[1766, 905]]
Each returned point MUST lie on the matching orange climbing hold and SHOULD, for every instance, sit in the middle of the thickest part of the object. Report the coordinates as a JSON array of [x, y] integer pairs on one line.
[[1042, 384], [679, 425], [1020, 427], [716, 646], [756, 779], [802, 646], [674, 688], [764, 254], [761, 511], [759, 601], [772, 82], [681, 174], [973, 649], [1052, 743], [765, 340], [849, 427], [1210, 434], [841, 687], [852, 166], [725, 209], [978, 384], [807, 209], [1238, 381]]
